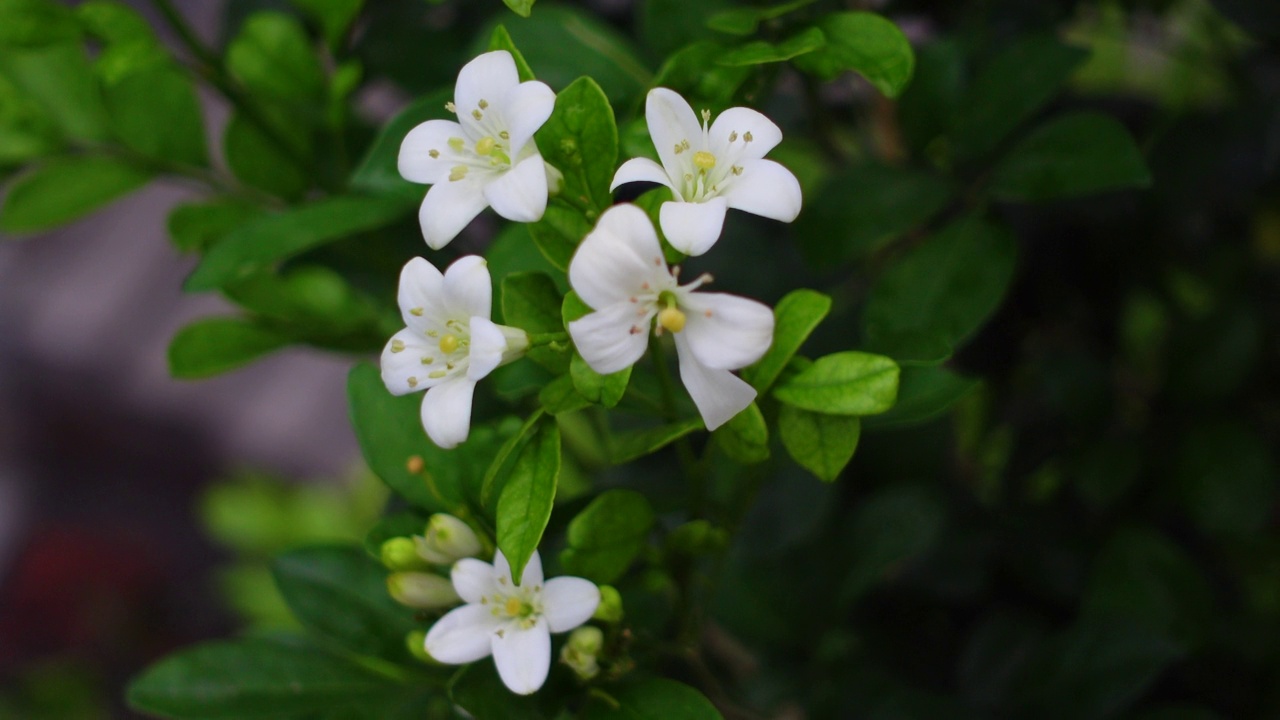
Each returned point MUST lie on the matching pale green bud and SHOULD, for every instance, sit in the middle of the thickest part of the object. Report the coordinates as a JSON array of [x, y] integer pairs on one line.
[[610, 607], [587, 640], [422, 590], [447, 540], [401, 553], [583, 665], [416, 642]]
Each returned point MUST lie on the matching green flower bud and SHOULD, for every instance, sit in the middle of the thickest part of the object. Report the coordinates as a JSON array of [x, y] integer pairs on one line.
[[587, 640], [422, 590], [416, 642], [610, 607], [401, 553], [446, 540], [583, 665]]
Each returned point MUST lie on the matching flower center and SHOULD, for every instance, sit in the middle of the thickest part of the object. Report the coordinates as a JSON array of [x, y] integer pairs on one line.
[[704, 160], [670, 318], [449, 344]]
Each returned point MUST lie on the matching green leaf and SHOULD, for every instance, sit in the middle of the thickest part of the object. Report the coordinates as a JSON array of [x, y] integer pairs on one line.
[[760, 52], [154, 110], [924, 393], [795, 317], [480, 692], [217, 344], [694, 72], [31, 23], [745, 438], [560, 396], [558, 233], [1009, 89], [581, 140], [625, 447], [378, 172], [531, 302], [27, 132], [280, 236], [65, 189], [604, 389], [1072, 155], [501, 40], [935, 296], [334, 16], [273, 58], [820, 443], [60, 80], [607, 536], [513, 251], [257, 160], [313, 302], [745, 20], [524, 507], [496, 476], [865, 208], [653, 699], [1226, 479], [196, 227], [252, 678], [340, 594], [889, 529], [520, 7], [866, 43], [845, 383]]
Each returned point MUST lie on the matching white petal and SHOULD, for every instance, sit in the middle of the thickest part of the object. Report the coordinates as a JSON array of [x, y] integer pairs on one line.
[[422, 289], [640, 170], [613, 338], [463, 635], [617, 258], [473, 579], [468, 287], [448, 208], [446, 411], [719, 394], [403, 371], [524, 110], [487, 345], [520, 194], [670, 121], [726, 332], [567, 602], [531, 576], [767, 189], [416, 163], [523, 656], [692, 228], [489, 77], [765, 135]]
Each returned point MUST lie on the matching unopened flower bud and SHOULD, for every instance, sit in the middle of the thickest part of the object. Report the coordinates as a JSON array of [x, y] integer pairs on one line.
[[401, 553], [447, 540], [422, 590], [587, 640], [582, 662], [416, 642], [610, 607]]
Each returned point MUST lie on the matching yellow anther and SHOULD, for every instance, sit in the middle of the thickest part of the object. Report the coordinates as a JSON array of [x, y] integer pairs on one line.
[[733, 136], [416, 312], [504, 135], [449, 344], [679, 148], [704, 160], [514, 606], [672, 319], [437, 374], [433, 153], [484, 104], [413, 382], [427, 360], [706, 115], [457, 143], [737, 169], [477, 114], [433, 333], [397, 345], [458, 172], [746, 137], [451, 107], [484, 145]]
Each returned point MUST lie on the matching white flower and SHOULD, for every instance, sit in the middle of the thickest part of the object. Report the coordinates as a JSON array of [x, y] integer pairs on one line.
[[711, 169], [487, 160], [449, 343], [619, 271], [513, 622]]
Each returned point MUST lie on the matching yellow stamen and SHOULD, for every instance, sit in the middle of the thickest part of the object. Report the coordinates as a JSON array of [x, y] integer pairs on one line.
[[458, 172], [427, 360], [737, 169], [514, 606], [747, 137], [437, 374], [433, 153], [484, 145], [413, 382], [679, 148], [449, 344], [484, 104], [706, 115], [416, 312], [504, 135], [733, 136], [397, 346], [672, 319], [477, 114], [451, 107], [704, 160], [456, 143]]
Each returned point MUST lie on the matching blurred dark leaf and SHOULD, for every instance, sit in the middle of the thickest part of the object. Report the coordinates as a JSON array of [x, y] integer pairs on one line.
[[1071, 155], [867, 44], [65, 189], [1226, 479], [218, 344]]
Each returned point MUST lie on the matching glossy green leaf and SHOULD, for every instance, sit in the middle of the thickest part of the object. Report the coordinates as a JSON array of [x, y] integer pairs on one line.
[[604, 389], [333, 16], [32, 23], [653, 699], [513, 251], [524, 507], [581, 140], [60, 80], [795, 317], [694, 72], [845, 383], [924, 393], [495, 477], [501, 40], [865, 43], [745, 20], [252, 678], [378, 172], [560, 396], [315, 303], [65, 189], [218, 344], [340, 594], [257, 160], [745, 438], [892, 527], [531, 302], [482, 695], [520, 7], [154, 110], [1071, 155], [760, 52], [939, 293], [558, 233], [820, 443], [625, 447], [280, 236], [196, 227], [273, 58], [865, 208], [607, 536]]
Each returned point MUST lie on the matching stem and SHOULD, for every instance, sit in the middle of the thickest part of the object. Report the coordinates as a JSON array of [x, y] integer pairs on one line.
[[688, 462], [540, 339]]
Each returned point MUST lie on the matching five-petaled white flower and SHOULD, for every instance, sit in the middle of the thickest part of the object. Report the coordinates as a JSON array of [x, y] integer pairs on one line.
[[489, 159], [711, 169], [619, 271], [513, 622], [449, 343]]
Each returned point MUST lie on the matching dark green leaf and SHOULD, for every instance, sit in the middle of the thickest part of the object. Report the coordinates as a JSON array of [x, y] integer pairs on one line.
[[196, 227], [820, 443], [31, 23], [27, 132], [695, 73], [654, 699], [252, 678], [795, 317], [520, 7], [1226, 479], [334, 16], [625, 447], [558, 233], [604, 389], [481, 693], [581, 140], [845, 383], [928, 107], [378, 172], [495, 478], [745, 20], [513, 251], [274, 238], [524, 507], [273, 58], [59, 79], [560, 396], [501, 40], [340, 594], [217, 344], [745, 438], [866, 43], [1078, 154], [924, 393], [760, 52], [65, 189], [936, 295], [257, 160], [891, 528], [607, 535], [154, 110], [531, 302]]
